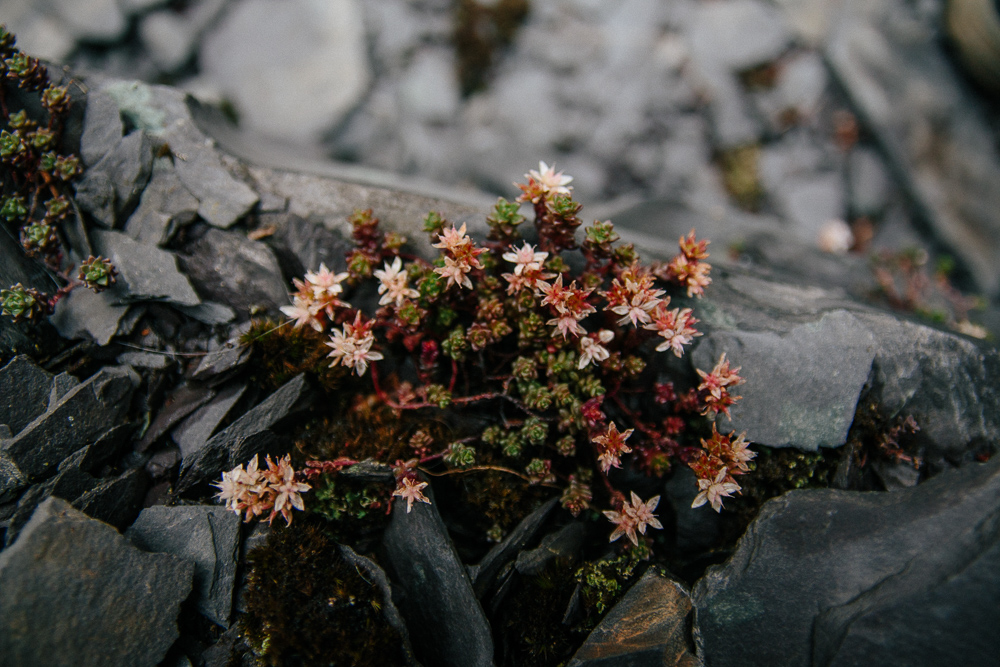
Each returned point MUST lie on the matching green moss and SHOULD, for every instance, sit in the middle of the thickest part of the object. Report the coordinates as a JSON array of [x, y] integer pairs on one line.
[[603, 582], [280, 352], [307, 606], [741, 175]]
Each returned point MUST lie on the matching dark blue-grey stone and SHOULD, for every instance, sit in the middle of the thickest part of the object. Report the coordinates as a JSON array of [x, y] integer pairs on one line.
[[165, 206], [486, 571], [76, 420], [77, 593], [116, 501], [447, 625], [126, 169], [243, 439], [102, 128], [828, 577], [205, 535], [192, 433], [24, 392], [147, 273], [85, 314]]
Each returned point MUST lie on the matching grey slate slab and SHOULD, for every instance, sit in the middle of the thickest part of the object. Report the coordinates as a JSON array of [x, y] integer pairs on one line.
[[24, 391], [205, 535], [147, 272], [77, 593]]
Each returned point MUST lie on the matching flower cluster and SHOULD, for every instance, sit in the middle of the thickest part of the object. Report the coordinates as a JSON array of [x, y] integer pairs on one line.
[[254, 492], [316, 298], [561, 350]]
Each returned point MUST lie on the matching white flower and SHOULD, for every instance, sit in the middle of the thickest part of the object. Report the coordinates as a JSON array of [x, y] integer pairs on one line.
[[411, 491], [591, 350], [352, 346], [525, 258], [633, 517], [455, 272], [303, 311], [550, 181], [325, 284], [393, 284], [713, 491]]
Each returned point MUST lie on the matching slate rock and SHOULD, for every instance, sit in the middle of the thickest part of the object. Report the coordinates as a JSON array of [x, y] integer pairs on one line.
[[933, 130], [696, 530], [192, 433], [68, 484], [79, 417], [76, 592], [12, 480], [303, 38], [207, 536], [181, 402], [247, 436], [126, 169], [208, 312], [24, 392], [108, 448], [85, 314], [564, 543], [837, 577], [92, 20], [102, 128], [389, 610], [62, 384], [446, 623], [302, 245], [165, 112], [147, 360], [827, 386], [869, 182], [647, 627], [147, 273], [806, 398], [165, 206], [229, 268], [116, 501], [486, 571], [808, 202]]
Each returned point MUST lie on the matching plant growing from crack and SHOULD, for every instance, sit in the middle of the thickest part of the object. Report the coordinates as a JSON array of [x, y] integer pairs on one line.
[[35, 200], [555, 338]]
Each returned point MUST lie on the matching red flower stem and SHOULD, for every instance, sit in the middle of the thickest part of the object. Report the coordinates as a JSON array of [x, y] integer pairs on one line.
[[454, 376]]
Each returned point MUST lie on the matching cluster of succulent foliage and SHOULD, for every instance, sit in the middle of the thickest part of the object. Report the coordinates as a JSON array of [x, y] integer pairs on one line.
[[551, 341], [35, 202]]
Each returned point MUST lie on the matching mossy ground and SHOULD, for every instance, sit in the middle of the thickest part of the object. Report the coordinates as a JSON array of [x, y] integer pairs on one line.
[[307, 606]]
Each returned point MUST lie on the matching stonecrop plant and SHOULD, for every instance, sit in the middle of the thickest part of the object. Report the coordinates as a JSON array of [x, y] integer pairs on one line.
[[35, 202], [551, 341]]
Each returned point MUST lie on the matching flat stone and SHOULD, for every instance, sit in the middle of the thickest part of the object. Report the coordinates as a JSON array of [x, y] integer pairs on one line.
[[303, 38], [220, 364], [941, 379], [933, 130], [24, 392], [192, 433], [808, 202], [241, 440], [76, 592], [837, 577], [647, 627], [147, 273], [68, 484], [83, 414], [84, 313], [61, 385], [207, 536], [229, 268], [12, 480], [180, 403], [102, 128], [165, 207], [126, 169], [108, 448], [789, 404], [525, 531], [209, 312], [446, 623], [116, 501], [564, 543], [302, 245]]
